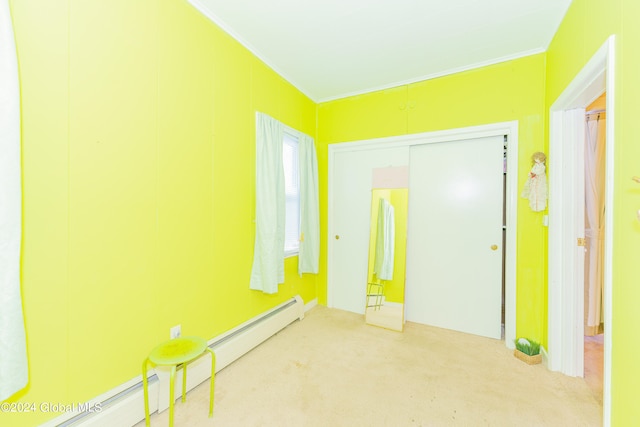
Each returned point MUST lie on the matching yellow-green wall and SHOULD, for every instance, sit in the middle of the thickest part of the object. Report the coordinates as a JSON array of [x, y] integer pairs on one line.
[[138, 178], [137, 126], [584, 30], [508, 91]]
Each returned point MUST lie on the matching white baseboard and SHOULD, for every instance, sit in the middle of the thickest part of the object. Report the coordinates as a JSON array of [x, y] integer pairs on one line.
[[545, 356], [311, 304]]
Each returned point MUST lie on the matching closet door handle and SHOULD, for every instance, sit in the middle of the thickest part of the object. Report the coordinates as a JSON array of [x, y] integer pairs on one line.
[[494, 247], [337, 237]]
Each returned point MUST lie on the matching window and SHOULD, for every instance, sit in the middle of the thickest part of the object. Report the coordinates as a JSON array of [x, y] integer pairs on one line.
[[286, 203], [292, 194]]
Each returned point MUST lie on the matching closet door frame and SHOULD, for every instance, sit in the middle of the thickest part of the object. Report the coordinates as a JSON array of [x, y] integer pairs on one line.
[[509, 129]]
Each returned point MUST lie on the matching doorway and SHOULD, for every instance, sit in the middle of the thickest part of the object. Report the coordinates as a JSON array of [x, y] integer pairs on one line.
[[595, 163], [565, 352]]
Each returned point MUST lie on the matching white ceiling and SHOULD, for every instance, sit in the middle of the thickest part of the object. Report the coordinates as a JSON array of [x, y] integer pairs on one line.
[[330, 49]]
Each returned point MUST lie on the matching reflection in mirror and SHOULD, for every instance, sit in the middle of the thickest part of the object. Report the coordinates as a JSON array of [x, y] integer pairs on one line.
[[387, 255]]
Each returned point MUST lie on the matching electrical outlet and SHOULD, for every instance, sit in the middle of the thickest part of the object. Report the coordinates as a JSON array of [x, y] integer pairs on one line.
[[175, 332]]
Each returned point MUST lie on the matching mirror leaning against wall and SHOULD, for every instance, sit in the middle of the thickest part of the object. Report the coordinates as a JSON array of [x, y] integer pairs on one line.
[[387, 248]]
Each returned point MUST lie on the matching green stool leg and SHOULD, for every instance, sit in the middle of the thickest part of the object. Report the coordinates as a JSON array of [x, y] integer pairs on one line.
[[145, 386], [172, 387], [184, 382], [175, 353], [213, 374]]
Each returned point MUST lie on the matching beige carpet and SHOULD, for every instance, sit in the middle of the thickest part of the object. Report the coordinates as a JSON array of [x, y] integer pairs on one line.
[[331, 369]]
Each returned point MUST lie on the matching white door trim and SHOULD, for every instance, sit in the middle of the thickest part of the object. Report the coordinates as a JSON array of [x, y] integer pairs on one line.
[[503, 128], [565, 297]]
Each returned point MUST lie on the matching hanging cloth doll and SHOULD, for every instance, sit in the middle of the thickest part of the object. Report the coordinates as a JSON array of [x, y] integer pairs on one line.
[[535, 189]]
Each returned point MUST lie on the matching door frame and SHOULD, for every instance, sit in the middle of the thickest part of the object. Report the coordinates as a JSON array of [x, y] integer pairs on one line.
[[566, 298], [510, 129]]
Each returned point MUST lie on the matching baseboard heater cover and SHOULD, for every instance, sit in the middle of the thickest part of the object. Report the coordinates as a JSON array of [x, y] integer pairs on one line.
[[124, 405]]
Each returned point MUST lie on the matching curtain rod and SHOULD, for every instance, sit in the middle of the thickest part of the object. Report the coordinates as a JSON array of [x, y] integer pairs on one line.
[[601, 110]]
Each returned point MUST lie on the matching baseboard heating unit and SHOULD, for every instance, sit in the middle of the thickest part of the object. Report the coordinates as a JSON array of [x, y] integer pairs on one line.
[[124, 405]]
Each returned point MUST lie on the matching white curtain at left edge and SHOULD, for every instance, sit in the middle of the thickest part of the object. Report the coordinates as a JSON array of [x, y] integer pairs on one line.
[[268, 254], [13, 354]]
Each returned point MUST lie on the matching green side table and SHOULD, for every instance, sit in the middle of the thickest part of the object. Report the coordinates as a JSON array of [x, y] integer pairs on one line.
[[178, 351]]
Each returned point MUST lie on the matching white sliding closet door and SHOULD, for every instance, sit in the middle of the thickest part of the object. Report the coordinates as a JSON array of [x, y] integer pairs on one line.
[[350, 221], [454, 244]]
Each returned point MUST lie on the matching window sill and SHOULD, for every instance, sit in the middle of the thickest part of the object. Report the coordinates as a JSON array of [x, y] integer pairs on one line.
[[289, 254]]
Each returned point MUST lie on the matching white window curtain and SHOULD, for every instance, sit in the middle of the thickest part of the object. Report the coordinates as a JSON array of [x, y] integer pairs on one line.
[[309, 252], [13, 354], [594, 154], [268, 254]]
